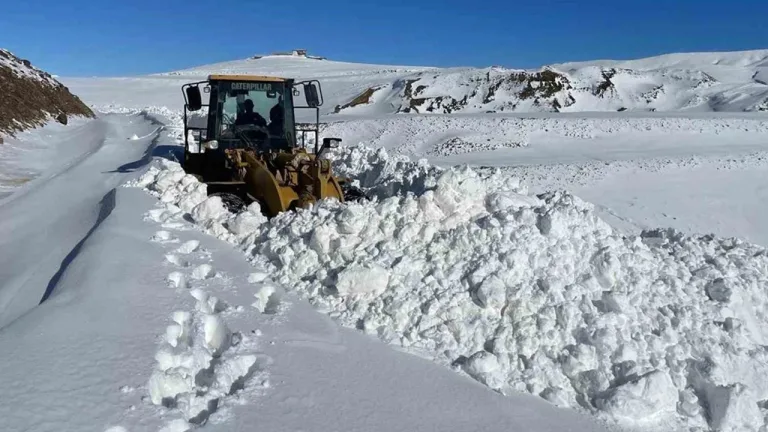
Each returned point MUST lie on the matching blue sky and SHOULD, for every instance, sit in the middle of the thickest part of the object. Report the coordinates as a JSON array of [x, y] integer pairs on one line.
[[84, 38]]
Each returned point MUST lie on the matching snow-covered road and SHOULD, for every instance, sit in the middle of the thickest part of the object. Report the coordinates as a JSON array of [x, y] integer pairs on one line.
[[166, 311], [44, 221], [147, 306]]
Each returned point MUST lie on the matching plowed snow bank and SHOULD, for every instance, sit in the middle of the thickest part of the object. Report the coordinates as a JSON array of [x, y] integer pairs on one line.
[[523, 293]]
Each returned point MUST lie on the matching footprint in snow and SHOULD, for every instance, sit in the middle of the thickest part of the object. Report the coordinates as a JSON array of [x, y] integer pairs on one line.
[[188, 247], [203, 271], [202, 346], [257, 277], [175, 226], [207, 303], [267, 299], [163, 237], [178, 425], [178, 334], [177, 280], [160, 215], [176, 260]]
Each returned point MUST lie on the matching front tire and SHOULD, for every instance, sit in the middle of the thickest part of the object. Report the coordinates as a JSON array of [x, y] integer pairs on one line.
[[232, 202], [352, 193]]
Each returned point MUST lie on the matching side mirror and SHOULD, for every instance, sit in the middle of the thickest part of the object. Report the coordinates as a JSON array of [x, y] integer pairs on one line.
[[312, 95], [331, 142], [194, 100], [328, 143]]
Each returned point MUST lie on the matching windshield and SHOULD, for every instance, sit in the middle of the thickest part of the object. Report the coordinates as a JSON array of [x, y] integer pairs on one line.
[[258, 111]]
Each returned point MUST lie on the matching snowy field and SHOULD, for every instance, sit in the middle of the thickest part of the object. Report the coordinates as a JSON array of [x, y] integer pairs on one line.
[[563, 261]]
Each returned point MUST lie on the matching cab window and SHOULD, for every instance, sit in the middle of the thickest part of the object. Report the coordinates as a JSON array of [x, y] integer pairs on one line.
[[252, 104]]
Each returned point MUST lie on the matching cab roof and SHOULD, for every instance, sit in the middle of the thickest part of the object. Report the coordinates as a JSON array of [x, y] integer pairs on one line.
[[256, 78]]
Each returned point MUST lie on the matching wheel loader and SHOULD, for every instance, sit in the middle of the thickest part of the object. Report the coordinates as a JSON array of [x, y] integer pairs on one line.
[[245, 148]]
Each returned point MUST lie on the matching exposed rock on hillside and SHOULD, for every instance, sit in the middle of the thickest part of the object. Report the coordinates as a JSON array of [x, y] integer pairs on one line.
[[31, 97], [733, 82], [492, 89], [363, 98]]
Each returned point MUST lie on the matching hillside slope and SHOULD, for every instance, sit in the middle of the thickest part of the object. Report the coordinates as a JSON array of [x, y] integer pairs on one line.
[[340, 81], [31, 97], [706, 82], [735, 82]]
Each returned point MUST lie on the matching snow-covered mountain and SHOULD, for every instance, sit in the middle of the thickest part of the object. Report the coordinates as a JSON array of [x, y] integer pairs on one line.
[[710, 82], [554, 274], [340, 81], [691, 82]]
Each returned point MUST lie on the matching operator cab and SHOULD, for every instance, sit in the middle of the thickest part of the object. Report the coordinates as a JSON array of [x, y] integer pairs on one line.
[[251, 111], [244, 111]]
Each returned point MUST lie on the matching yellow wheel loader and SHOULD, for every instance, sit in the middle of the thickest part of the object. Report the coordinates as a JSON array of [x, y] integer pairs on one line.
[[245, 148]]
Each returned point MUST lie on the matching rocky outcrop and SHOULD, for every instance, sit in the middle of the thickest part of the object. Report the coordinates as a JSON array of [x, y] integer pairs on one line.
[[570, 88], [363, 98], [493, 89], [30, 97]]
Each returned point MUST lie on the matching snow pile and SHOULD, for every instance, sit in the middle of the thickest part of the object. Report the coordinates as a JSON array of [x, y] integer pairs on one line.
[[381, 173], [523, 293]]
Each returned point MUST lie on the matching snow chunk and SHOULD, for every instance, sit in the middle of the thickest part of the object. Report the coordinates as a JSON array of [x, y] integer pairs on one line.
[[267, 299], [203, 271], [257, 277], [484, 367], [718, 291], [216, 333], [733, 408], [188, 247], [177, 280], [361, 280], [211, 209], [650, 396], [248, 221], [177, 425]]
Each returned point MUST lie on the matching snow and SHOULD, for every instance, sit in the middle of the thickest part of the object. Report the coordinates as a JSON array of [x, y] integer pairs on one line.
[[41, 226], [704, 82], [141, 355], [12, 62], [563, 280], [32, 153], [524, 293], [340, 82], [651, 395], [186, 376], [546, 139], [693, 60], [696, 173]]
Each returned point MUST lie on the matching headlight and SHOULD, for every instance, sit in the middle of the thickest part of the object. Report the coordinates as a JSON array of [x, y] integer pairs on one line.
[[212, 145]]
